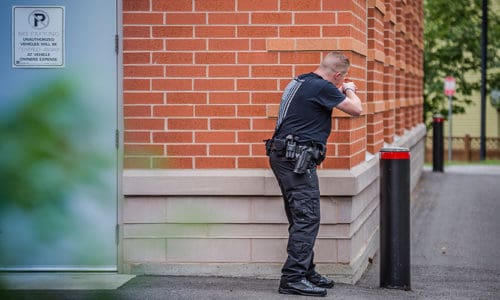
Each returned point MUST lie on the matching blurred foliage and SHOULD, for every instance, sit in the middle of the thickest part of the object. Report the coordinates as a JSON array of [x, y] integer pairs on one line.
[[42, 158], [452, 38]]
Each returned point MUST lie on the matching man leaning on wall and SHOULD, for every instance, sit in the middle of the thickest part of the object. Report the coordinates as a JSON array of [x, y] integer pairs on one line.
[[297, 147]]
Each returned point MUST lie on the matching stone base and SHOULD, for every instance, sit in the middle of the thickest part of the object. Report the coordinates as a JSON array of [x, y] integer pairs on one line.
[[232, 223]]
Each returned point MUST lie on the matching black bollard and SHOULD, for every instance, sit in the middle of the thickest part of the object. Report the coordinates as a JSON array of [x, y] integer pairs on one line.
[[395, 218], [437, 143]]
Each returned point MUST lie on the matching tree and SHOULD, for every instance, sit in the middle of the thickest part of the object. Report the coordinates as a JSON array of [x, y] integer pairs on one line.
[[452, 47]]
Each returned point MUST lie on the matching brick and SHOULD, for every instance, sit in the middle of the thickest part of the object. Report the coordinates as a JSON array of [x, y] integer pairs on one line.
[[214, 5], [215, 110], [137, 137], [272, 110], [215, 31], [186, 44], [186, 150], [137, 163], [337, 31], [280, 45], [214, 162], [294, 5], [229, 97], [271, 18], [186, 71], [173, 137], [264, 124], [186, 98], [257, 58], [187, 124], [253, 162], [173, 31], [258, 5], [142, 98], [214, 84], [251, 136], [172, 84], [136, 31], [302, 70], [142, 18], [185, 18], [172, 163], [314, 18], [144, 124], [272, 71], [228, 44], [229, 124], [228, 150], [337, 163], [258, 44], [136, 58], [173, 111], [300, 31], [251, 110], [300, 58], [339, 137], [228, 71], [143, 149], [228, 18], [259, 149], [172, 58], [142, 44], [215, 58], [257, 31], [143, 71], [256, 84], [136, 84], [135, 5], [137, 111], [338, 5], [215, 137], [267, 97], [177, 5]]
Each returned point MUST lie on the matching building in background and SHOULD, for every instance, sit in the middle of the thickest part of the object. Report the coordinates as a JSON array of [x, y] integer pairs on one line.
[[202, 81]]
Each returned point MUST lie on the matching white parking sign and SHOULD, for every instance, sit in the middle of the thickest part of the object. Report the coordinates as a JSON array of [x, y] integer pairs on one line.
[[38, 37]]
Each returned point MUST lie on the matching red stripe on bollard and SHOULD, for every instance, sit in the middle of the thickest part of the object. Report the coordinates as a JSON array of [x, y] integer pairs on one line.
[[395, 155]]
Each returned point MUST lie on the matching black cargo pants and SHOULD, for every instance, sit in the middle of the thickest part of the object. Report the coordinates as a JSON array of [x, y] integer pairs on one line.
[[301, 199]]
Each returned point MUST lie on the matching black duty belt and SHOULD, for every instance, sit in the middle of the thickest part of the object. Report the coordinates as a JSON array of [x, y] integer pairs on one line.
[[306, 154]]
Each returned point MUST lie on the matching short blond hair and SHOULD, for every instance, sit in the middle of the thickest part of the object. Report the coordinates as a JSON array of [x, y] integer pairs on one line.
[[335, 62]]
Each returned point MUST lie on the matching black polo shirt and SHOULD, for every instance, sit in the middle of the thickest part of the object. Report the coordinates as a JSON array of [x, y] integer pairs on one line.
[[306, 108]]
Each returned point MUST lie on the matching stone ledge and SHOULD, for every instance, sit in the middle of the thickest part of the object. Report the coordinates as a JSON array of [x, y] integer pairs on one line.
[[240, 182]]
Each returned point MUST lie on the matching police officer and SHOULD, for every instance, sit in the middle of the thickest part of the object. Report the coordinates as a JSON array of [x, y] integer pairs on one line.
[[297, 147]]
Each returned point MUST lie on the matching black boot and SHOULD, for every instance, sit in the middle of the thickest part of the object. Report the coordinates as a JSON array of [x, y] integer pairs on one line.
[[320, 281], [302, 287]]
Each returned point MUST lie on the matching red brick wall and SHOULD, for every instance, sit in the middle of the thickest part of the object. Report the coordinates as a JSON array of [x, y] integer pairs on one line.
[[203, 78]]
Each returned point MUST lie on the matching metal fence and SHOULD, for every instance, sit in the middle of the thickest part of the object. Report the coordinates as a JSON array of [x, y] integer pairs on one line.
[[466, 148]]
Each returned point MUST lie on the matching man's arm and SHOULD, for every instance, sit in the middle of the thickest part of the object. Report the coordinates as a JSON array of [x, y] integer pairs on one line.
[[352, 103]]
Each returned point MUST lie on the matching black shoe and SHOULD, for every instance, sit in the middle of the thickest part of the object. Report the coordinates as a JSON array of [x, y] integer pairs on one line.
[[321, 281], [303, 287]]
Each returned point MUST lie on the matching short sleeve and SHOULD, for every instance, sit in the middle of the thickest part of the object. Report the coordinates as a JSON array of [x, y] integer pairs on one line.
[[330, 96]]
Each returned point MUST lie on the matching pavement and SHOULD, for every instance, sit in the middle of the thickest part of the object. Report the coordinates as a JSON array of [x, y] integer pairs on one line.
[[455, 253]]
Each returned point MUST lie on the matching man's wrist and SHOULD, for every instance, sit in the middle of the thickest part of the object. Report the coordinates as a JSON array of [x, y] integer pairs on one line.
[[348, 89]]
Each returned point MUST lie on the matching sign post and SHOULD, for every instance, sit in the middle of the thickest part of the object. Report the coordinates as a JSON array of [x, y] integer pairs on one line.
[[449, 90]]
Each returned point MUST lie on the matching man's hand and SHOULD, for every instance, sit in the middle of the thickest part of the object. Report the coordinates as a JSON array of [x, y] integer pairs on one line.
[[348, 86], [352, 103]]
